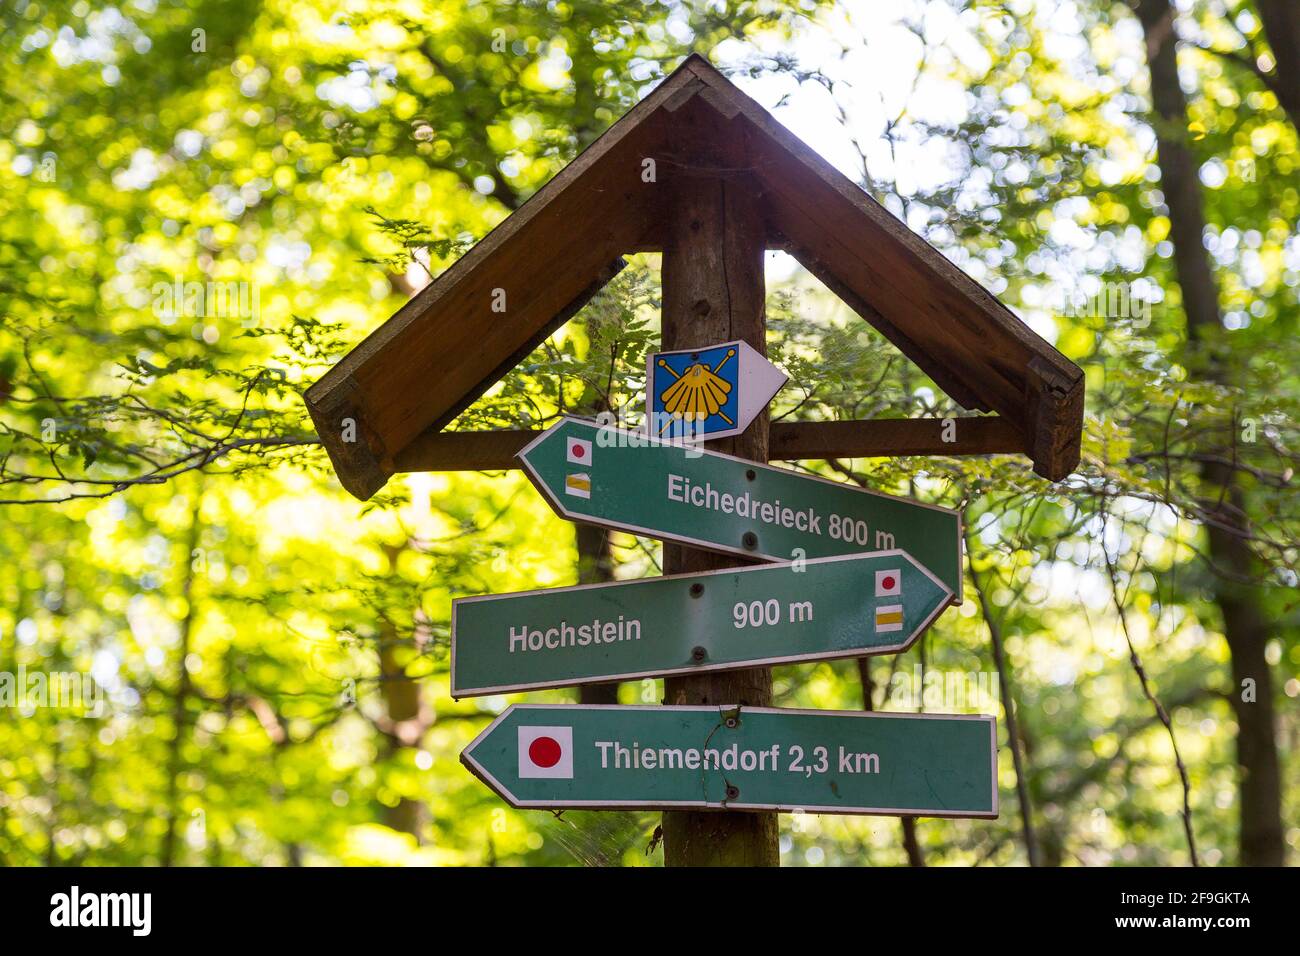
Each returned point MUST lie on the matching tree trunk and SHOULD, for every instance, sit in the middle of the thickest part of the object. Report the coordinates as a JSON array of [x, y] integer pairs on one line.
[[184, 689], [1248, 633], [1281, 21], [911, 846], [1008, 702], [402, 702], [713, 291], [407, 715], [1244, 627]]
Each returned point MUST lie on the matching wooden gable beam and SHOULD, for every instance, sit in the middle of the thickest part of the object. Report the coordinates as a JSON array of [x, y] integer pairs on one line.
[[439, 352], [1055, 420], [789, 441], [966, 340]]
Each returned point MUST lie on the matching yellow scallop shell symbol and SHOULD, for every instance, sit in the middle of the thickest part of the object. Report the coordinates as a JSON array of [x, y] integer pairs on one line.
[[697, 393]]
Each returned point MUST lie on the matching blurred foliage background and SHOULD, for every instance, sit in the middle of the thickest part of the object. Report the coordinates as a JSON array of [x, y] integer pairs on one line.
[[272, 654]]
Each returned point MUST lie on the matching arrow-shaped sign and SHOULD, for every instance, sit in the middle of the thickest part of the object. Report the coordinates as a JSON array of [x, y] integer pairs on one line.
[[633, 482], [709, 392], [762, 615], [740, 758]]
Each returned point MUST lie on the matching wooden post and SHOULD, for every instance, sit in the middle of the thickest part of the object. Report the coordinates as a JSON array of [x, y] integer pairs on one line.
[[595, 566], [713, 291]]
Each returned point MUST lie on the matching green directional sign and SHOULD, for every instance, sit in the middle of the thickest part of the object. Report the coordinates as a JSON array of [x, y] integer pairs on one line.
[[740, 758], [631, 481], [761, 615]]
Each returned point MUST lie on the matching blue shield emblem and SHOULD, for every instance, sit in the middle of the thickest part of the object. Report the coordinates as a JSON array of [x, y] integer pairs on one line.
[[694, 393]]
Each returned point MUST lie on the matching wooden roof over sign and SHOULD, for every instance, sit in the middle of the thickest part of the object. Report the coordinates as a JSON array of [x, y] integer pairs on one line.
[[442, 350]]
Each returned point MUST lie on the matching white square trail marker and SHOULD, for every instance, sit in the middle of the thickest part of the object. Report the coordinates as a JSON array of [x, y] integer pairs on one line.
[[889, 583], [579, 451], [889, 618], [578, 485], [545, 753]]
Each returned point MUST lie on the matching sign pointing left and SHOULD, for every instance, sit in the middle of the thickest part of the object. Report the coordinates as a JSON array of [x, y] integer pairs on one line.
[[740, 758], [635, 482], [820, 609]]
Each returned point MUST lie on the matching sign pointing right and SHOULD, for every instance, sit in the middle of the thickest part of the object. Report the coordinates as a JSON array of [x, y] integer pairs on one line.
[[820, 609], [713, 391]]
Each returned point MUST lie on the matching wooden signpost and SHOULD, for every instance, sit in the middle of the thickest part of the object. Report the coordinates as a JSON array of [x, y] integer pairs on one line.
[[702, 174]]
